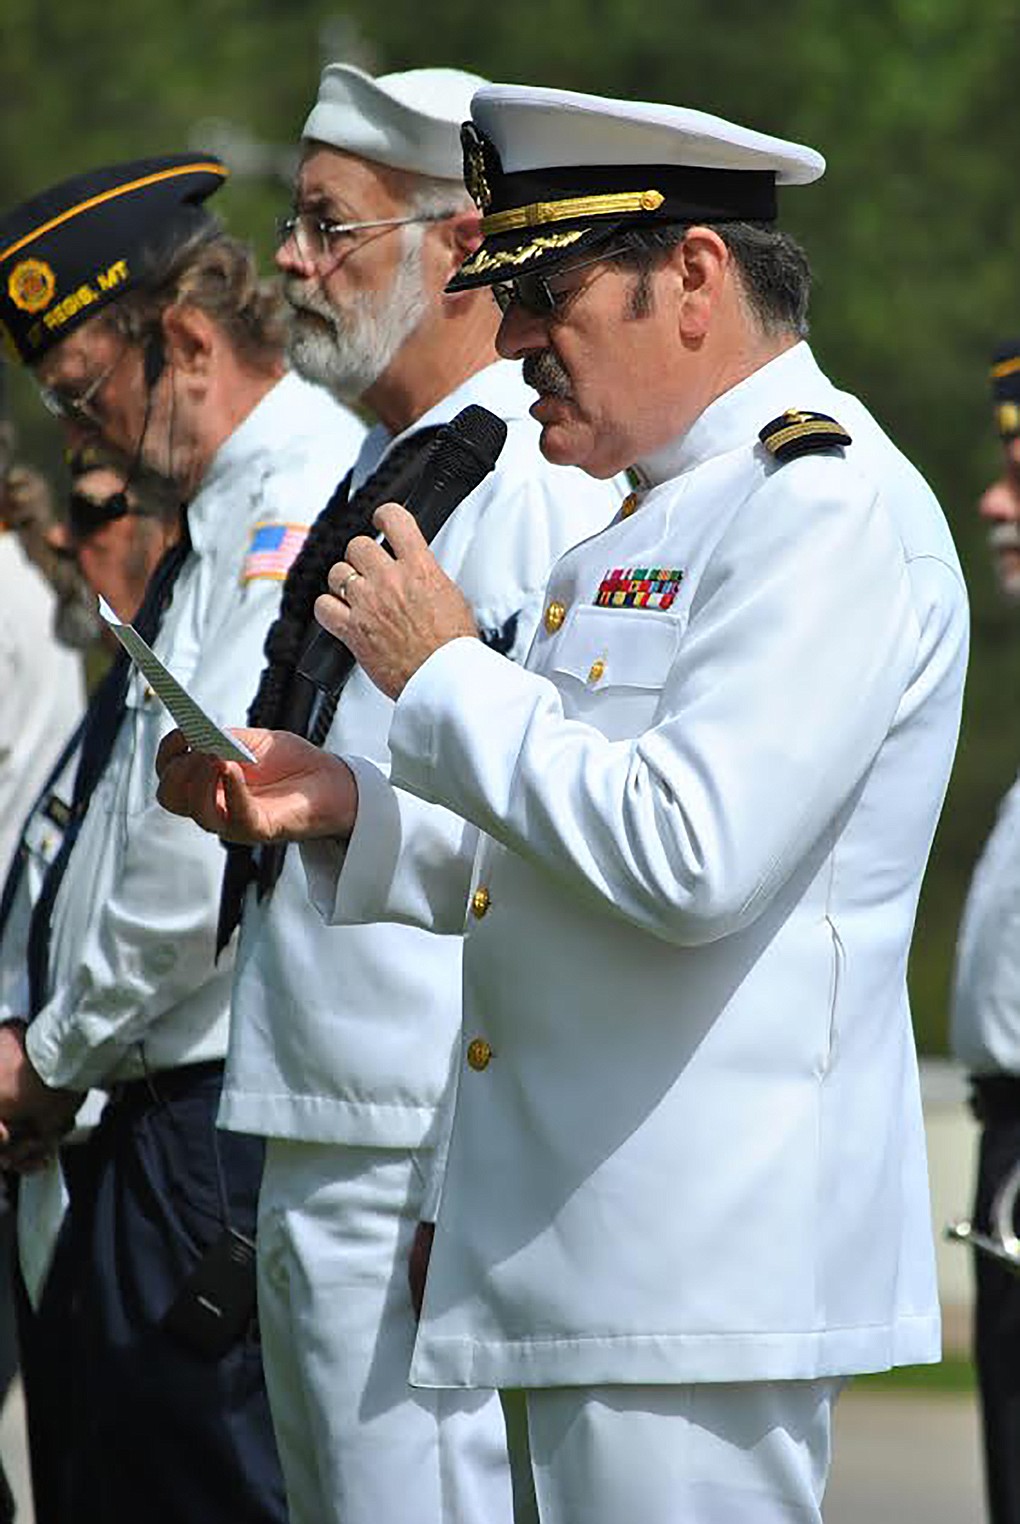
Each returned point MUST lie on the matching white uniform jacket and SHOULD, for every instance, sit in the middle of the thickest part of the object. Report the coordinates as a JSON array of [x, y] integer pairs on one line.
[[985, 1026], [345, 1035], [42, 690], [132, 978], [688, 1141]]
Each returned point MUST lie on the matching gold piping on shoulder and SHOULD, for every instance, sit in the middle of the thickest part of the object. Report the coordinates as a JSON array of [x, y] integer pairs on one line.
[[798, 430], [539, 212]]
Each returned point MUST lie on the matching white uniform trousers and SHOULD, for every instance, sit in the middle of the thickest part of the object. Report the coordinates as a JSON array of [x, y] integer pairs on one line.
[[755, 1453], [357, 1444]]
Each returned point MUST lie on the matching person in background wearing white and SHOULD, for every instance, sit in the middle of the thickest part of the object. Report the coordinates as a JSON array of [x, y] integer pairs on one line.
[[985, 1019]]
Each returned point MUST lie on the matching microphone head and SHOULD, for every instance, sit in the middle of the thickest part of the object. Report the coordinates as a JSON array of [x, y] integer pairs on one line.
[[480, 431], [465, 450]]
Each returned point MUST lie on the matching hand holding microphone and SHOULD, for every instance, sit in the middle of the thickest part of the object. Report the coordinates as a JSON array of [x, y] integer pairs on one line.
[[390, 604]]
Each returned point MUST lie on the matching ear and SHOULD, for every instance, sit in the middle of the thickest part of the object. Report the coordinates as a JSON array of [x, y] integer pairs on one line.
[[457, 237], [701, 264], [190, 336], [466, 228]]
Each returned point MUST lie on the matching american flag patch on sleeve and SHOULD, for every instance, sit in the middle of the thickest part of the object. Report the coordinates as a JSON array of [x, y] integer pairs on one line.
[[271, 550]]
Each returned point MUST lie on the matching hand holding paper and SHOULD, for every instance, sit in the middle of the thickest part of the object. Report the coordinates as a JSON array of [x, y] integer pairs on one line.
[[295, 792]]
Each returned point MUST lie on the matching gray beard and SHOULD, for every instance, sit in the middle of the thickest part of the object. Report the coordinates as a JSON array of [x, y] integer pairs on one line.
[[347, 350], [1002, 538]]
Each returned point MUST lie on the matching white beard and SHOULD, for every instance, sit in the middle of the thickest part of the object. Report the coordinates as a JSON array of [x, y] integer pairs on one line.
[[1004, 542], [347, 349]]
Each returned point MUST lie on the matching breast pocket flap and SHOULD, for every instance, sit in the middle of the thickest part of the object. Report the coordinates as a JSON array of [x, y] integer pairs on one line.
[[618, 648]]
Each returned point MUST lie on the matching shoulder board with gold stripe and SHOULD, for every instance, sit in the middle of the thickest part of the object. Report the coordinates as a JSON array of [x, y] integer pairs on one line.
[[796, 433]]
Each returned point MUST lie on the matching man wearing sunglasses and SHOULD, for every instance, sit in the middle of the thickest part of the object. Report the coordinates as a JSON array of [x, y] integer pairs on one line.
[[685, 1194], [117, 531], [341, 1041], [146, 325]]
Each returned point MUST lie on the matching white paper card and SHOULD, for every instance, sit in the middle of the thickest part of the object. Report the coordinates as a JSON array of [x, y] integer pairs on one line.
[[199, 731]]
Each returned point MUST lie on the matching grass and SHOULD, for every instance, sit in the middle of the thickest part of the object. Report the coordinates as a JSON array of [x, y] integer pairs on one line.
[[955, 1374]]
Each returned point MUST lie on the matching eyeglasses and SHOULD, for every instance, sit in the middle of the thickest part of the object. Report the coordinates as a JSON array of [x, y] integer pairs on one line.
[[315, 237], [534, 293], [76, 408]]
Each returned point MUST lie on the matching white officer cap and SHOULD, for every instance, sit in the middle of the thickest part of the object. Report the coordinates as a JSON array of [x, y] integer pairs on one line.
[[555, 171], [409, 121]]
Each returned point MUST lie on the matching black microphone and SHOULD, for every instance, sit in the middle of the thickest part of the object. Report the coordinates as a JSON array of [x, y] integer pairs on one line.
[[463, 452]]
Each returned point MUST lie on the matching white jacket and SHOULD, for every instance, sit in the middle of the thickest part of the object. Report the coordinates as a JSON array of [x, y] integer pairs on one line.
[[346, 1035], [133, 985], [985, 1025], [42, 690], [688, 1141]]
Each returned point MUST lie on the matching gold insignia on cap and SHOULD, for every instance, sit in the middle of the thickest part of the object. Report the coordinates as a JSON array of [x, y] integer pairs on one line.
[[539, 212], [31, 285], [475, 178], [796, 432], [482, 261], [1007, 419]]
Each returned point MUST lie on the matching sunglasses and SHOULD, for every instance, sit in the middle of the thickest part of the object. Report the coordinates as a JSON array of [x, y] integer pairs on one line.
[[87, 514], [536, 295]]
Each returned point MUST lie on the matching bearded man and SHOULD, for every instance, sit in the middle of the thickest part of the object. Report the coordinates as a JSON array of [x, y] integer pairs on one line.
[[342, 1041]]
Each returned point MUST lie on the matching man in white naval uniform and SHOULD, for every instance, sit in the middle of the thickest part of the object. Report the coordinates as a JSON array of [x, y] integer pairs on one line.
[[146, 324], [985, 1021], [685, 1195], [341, 1040]]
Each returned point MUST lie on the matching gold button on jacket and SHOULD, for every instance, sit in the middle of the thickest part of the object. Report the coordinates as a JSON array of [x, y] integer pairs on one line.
[[479, 1053], [554, 617], [480, 902]]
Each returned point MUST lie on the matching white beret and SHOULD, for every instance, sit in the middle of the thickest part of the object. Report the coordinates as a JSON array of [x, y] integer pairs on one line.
[[409, 121]]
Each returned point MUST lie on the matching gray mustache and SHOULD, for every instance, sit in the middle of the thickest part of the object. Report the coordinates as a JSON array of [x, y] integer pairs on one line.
[[543, 371], [1004, 537], [306, 301]]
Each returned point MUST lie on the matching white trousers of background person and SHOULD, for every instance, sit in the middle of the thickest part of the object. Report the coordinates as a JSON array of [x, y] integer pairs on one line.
[[358, 1445], [713, 1453]]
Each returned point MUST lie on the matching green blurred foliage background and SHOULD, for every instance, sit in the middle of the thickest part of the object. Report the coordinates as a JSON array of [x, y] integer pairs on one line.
[[914, 232]]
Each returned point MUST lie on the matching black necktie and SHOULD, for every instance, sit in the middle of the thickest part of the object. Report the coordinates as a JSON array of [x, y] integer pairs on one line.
[[348, 516], [19, 862], [102, 723]]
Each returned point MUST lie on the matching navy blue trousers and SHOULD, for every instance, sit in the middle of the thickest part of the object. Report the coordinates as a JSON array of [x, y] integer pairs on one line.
[[997, 1334], [159, 1434]]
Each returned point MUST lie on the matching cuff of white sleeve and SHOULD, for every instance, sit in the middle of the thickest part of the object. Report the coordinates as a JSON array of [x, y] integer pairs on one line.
[[457, 669], [52, 1051], [348, 881]]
